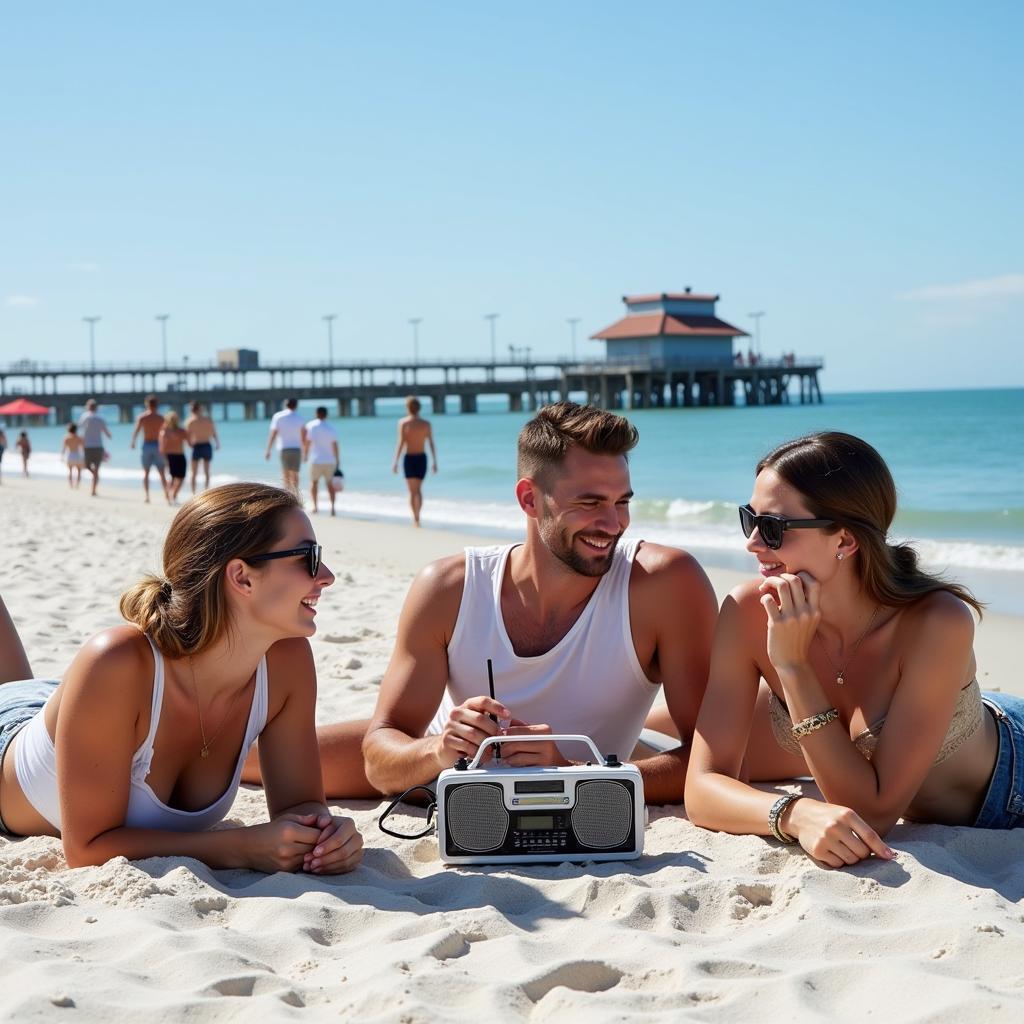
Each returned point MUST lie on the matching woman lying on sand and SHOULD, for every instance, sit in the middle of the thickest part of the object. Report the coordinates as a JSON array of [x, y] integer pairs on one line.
[[139, 750], [870, 673]]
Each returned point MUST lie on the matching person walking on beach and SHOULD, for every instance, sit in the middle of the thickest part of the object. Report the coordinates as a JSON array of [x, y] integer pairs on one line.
[[72, 450], [288, 428], [864, 662], [93, 428], [322, 444], [202, 436], [137, 751], [414, 434], [149, 424], [172, 448], [583, 629], [24, 446], [3, 448]]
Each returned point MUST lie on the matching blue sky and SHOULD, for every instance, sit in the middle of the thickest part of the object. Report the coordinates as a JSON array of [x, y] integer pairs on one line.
[[851, 169]]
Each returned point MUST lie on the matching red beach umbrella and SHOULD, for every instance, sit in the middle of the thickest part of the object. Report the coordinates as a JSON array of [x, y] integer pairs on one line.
[[23, 407]]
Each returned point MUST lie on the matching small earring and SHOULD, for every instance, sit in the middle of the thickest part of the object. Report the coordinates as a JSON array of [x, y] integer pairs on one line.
[[839, 556]]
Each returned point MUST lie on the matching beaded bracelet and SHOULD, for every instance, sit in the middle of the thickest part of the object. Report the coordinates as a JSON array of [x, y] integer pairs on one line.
[[775, 814], [815, 722]]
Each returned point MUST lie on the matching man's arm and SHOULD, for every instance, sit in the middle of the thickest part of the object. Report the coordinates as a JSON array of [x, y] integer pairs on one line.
[[270, 442], [672, 594], [433, 450], [397, 753], [135, 432]]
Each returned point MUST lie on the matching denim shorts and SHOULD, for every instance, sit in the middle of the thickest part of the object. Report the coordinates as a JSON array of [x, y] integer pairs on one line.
[[1004, 801], [20, 702]]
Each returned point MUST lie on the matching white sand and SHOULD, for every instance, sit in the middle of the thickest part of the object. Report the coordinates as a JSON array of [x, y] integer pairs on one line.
[[705, 926]]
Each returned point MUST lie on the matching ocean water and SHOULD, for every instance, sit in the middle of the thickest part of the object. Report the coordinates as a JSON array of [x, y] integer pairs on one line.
[[957, 456]]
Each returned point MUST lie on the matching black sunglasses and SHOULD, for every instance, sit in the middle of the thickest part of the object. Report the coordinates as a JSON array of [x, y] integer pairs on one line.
[[773, 528], [312, 552]]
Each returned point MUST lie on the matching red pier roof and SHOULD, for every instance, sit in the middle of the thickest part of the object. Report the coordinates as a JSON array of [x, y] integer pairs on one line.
[[675, 325]]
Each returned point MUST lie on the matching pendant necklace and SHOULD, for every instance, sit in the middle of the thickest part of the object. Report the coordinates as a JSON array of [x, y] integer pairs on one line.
[[841, 672], [207, 743]]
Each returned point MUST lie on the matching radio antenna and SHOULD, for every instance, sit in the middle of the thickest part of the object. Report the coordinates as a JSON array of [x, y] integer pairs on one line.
[[494, 718]]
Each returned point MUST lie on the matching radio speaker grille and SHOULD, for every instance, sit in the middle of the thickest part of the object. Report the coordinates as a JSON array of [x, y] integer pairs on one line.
[[603, 814], [476, 816]]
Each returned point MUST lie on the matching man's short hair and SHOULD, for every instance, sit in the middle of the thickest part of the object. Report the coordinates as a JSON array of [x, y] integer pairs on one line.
[[90, 405], [545, 441], [412, 403], [196, 407], [321, 412], [291, 403], [151, 402]]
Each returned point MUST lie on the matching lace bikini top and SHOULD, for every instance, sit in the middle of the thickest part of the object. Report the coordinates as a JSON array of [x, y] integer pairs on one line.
[[967, 716]]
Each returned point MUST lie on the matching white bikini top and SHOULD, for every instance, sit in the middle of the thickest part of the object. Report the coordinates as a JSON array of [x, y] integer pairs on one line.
[[35, 764]]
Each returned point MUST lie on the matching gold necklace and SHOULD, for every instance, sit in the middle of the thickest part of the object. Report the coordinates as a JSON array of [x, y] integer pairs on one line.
[[841, 672], [207, 743]]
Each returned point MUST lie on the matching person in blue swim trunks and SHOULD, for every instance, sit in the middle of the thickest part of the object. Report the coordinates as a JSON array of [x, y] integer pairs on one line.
[[860, 663], [414, 434], [149, 424]]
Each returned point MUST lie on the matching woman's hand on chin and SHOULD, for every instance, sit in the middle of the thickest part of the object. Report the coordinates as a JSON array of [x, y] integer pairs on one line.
[[792, 605], [834, 836]]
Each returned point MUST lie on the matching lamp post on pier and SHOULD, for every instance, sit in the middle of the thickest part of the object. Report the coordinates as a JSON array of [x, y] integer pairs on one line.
[[756, 317], [92, 321], [163, 318], [329, 320], [492, 317], [572, 322], [416, 321]]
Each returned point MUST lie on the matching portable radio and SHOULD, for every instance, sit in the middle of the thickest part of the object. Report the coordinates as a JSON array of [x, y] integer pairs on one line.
[[498, 815]]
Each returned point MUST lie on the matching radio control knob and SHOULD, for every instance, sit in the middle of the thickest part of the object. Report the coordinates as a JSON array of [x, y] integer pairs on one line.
[[461, 765], [612, 761]]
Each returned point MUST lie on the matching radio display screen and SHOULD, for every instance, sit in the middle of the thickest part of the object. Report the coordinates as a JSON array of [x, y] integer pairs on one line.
[[528, 822], [552, 786]]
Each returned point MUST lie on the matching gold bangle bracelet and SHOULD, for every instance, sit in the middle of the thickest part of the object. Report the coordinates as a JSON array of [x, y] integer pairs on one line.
[[815, 722]]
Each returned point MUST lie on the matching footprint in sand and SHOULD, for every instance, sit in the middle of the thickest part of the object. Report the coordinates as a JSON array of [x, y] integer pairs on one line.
[[581, 975]]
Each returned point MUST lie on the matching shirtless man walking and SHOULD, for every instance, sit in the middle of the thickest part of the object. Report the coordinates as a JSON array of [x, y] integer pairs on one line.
[[414, 434], [149, 424], [202, 436]]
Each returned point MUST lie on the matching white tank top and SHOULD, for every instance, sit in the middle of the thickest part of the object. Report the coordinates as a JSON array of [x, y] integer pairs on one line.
[[35, 764], [590, 682]]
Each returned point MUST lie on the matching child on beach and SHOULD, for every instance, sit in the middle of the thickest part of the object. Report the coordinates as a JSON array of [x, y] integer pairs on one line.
[[860, 665], [24, 446], [172, 446], [139, 750], [72, 450]]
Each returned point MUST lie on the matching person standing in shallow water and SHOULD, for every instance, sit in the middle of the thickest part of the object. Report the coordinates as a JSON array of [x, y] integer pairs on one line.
[[73, 451], [202, 436], [414, 434]]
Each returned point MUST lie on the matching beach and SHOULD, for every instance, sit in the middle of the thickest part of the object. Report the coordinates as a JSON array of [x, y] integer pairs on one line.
[[704, 926]]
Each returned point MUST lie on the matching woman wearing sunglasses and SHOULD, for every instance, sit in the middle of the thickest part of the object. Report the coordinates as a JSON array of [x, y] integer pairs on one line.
[[139, 750], [848, 662]]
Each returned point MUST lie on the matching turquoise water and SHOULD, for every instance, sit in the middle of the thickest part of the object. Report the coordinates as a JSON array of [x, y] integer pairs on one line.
[[957, 456]]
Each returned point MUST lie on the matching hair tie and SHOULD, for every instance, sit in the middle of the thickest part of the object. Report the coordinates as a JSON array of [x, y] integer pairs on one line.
[[165, 590]]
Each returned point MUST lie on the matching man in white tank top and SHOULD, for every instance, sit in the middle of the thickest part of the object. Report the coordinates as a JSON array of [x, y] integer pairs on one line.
[[581, 627]]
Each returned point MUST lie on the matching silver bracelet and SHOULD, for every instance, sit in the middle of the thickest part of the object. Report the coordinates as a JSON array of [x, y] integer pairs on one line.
[[808, 725], [775, 814]]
